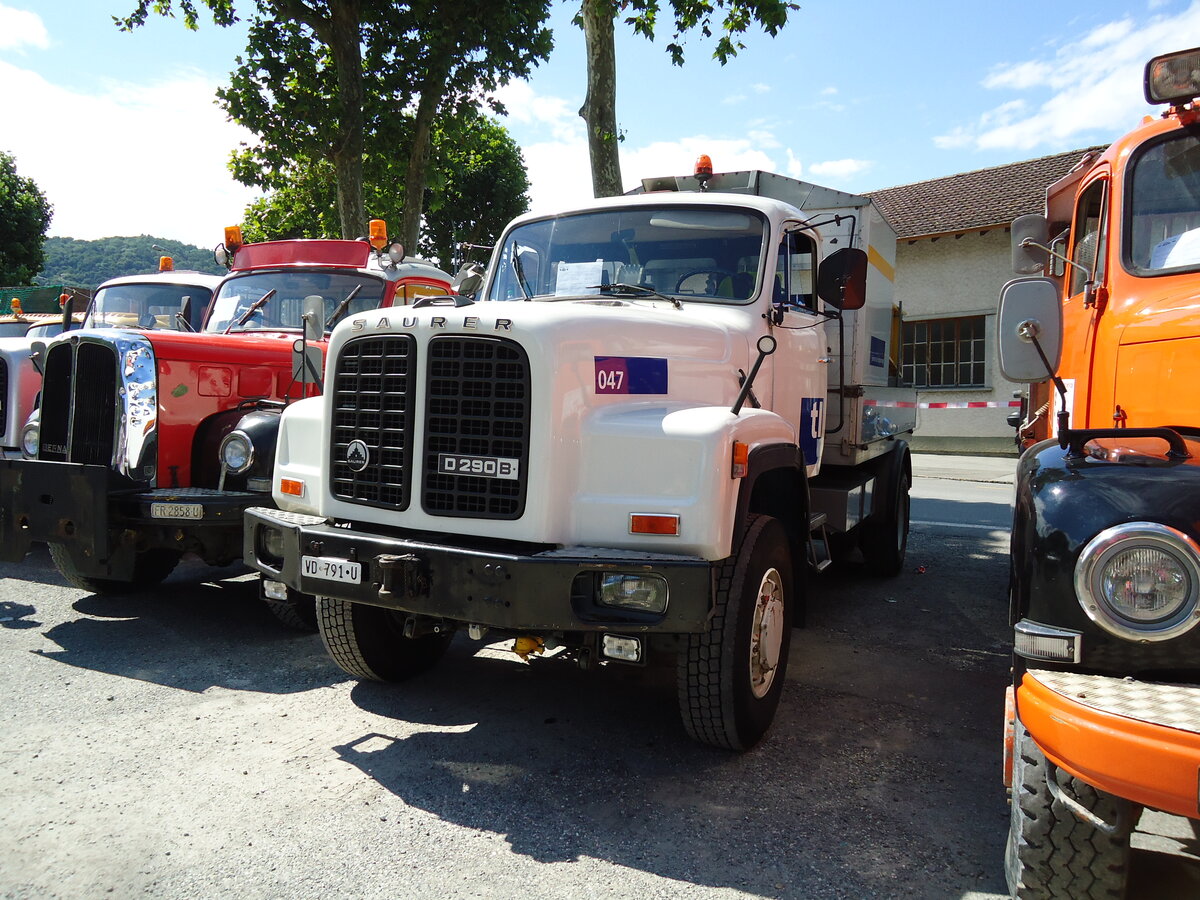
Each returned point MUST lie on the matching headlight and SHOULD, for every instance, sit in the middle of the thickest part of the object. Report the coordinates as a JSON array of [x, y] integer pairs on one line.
[[237, 452], [1140, 581], [29, 439], [644, 593]]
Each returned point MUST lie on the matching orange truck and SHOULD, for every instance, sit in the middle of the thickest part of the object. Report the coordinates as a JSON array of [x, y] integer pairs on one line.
[[1103, 717]]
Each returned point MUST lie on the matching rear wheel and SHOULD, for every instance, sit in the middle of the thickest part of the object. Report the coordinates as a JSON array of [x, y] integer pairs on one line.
[[885, 540], [149, 568], [1051, 853], [730, 677], [368, 641]]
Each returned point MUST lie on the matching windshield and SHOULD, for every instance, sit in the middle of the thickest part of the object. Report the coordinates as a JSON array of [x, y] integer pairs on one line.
[[710, 254], [1163, 219], [284, 309], [147, 305]]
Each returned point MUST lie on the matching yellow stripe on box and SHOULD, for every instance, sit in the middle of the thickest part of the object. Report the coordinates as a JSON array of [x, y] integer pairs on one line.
[[875, 258]]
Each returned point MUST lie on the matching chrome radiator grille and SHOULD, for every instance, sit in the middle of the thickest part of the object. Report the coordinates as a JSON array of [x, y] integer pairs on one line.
[[79, 404]]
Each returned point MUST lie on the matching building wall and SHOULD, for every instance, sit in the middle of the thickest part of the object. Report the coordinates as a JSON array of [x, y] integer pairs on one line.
[[959, 276]]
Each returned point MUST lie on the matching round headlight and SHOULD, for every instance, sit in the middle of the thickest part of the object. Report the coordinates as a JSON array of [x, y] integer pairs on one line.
[[237, 452], [29, 439], [1140, 581]]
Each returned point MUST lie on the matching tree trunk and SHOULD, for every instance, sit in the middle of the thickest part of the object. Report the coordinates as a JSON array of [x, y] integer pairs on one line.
[[432, 90], [599, 108], [345, 26]]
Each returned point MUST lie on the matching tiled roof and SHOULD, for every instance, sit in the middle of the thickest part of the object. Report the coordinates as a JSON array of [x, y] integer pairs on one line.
[[985, 198]]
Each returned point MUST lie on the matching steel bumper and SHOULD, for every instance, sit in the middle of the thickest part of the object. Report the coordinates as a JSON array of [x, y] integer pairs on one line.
[[103, 518], [519, 590], [1134, 739]]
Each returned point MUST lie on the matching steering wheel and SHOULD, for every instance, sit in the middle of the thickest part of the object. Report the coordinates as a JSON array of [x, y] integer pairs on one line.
[[720, 273]]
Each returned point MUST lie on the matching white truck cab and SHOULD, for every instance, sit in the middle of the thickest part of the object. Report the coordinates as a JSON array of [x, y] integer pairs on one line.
[[658, 412]]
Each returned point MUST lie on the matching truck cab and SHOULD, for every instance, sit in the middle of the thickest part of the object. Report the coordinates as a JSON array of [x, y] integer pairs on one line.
[[1103, 716], [658, 412], [152, 437]]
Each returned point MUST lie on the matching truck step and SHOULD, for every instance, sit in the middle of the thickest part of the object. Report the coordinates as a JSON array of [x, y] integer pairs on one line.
[[819, 556]]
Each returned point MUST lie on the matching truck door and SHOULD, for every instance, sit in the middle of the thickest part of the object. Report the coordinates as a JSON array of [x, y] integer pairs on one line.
[[798, 375], [1089, 253]]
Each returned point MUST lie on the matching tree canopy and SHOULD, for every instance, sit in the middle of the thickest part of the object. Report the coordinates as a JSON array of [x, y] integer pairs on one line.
[[319, 79], [24, 217], [598, 18], [477, 183], [88, 263]]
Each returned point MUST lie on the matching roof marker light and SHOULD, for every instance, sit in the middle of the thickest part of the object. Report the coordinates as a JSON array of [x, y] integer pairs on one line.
[[378, 233], [741, 460]]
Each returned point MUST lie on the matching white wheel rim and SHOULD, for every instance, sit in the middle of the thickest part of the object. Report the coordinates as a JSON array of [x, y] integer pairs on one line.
[[766, 633]]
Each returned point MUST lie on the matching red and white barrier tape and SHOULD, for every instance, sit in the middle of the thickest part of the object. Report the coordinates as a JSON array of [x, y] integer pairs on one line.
[[965, 404]]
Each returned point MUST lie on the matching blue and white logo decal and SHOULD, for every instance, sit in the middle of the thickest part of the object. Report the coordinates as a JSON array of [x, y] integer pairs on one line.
[[812, 428], [877, 351]]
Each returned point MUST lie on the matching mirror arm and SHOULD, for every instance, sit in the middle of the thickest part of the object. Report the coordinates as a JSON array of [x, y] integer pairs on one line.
[[1030, 242]]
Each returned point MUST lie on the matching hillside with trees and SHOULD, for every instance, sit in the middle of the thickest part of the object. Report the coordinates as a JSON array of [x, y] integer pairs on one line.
[[87, 263]]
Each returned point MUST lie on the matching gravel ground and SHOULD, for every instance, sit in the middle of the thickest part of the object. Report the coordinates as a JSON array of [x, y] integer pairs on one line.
[[183, 744]]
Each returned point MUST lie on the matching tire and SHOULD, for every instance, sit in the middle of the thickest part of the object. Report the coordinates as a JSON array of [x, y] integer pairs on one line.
[[368, 642], [1051, 853], [728, 689], [884, 542], [149, 568], [298, 611]]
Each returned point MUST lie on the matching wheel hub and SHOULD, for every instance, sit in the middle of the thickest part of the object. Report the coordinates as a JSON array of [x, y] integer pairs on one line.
[[766, 633]]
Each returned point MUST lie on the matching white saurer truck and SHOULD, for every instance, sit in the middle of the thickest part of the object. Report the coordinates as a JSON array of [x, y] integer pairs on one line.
[[659, 412]]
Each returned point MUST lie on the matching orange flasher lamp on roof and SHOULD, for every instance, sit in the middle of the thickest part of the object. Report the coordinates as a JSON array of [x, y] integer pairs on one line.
[[703, 170], [378, 233], [233, 237], [166, 264]]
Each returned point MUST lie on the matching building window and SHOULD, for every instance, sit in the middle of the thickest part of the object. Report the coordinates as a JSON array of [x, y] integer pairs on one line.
[[943, 353]]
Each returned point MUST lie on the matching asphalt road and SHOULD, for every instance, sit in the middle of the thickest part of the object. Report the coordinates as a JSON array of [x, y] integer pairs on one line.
[[182, 744]]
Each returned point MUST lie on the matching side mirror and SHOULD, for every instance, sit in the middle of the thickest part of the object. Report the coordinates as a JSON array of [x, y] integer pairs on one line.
[[184, 316], [37, 353], [1030, 309], [1028, 259], [73, 305], [842, 279], [469, 279], [314, 317]]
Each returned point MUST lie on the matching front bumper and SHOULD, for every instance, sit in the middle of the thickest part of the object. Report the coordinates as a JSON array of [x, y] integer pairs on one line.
[[104, 520], [1134, 739], [481, 585]]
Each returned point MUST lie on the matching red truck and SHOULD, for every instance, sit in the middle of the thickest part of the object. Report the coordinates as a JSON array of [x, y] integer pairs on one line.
[[150, 441], [1103, 716]]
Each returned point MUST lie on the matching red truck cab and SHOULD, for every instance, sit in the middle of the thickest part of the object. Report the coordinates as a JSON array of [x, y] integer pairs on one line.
[[151, 439]]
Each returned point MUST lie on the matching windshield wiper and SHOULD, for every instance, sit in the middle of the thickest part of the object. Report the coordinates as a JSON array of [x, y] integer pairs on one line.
[[341, 308], [519, 269], [251, 310], [638, 290]]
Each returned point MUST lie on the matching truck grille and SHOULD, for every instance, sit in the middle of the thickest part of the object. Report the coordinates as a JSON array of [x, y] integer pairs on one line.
[[476, 410], [79, 404], [476, 407], [371, 441]]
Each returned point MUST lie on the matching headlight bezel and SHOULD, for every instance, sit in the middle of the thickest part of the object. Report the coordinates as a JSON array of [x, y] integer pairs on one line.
[[230, 443], [34, 428], [1105, 547]]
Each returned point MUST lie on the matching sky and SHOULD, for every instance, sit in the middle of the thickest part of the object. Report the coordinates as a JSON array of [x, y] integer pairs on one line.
[[122, 134]]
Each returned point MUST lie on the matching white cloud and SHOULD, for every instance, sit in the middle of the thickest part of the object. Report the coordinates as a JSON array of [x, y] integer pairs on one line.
[[760, 88], [1095, 87], [127, 158], [554, 115], [840, 168], [20, 28]]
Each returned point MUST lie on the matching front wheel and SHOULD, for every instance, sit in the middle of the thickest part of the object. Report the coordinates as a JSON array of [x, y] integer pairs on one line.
[[1051, 853], [149, 568], [368, 641], [731, 676]]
